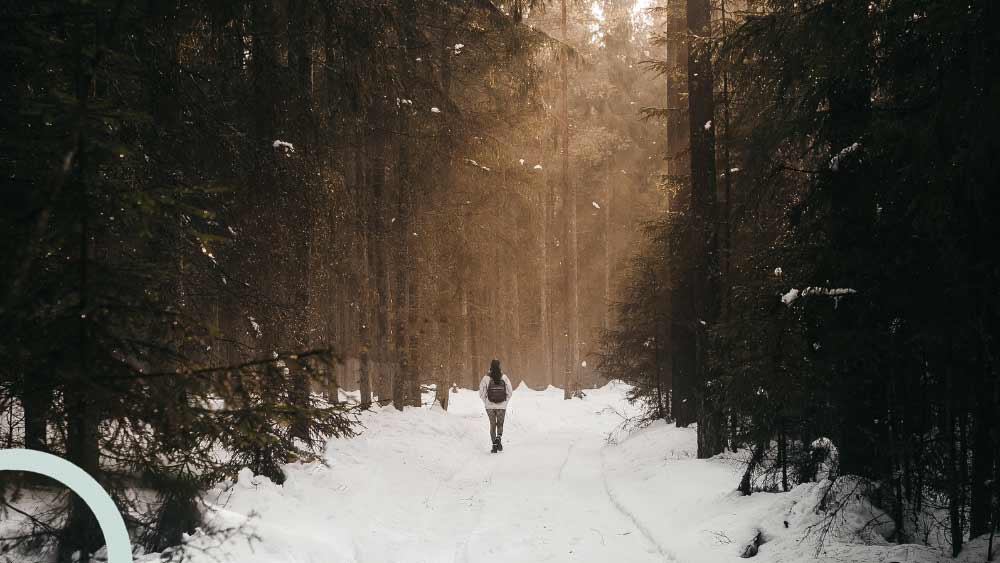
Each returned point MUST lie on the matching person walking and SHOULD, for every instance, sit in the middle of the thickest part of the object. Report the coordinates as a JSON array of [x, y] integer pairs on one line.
[[495, 391]]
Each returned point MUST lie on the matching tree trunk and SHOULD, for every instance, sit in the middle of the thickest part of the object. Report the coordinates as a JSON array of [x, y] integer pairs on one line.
[[980, 499], [515, 333], [678, 335], [727, 171], [783, 455], [546, 305], [399, 387], [299, 128], [608, 194], [701, 109], [954, 471], [36, 401], [475, 371], [414, 336], [380, 248], [443, 391], [569, 240], [81, 532], [746, 482], [466, 359], [657, 347], [364, 378]]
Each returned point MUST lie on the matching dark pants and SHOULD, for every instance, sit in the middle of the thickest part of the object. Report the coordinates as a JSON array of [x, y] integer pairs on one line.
[[496, 422]]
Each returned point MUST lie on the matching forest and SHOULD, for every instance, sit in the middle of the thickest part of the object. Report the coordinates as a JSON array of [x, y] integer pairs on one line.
[[239, 237]]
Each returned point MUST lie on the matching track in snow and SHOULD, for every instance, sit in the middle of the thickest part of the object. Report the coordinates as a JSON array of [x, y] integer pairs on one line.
[[546, 502]]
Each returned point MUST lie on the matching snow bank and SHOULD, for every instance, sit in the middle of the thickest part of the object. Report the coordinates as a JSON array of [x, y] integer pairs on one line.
[[690, 507]]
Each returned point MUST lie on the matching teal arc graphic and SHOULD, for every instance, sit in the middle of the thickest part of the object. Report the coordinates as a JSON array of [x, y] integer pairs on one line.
[[85, 486]]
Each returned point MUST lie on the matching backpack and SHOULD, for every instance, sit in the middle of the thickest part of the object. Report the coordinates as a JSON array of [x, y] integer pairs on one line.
[[496, 392]]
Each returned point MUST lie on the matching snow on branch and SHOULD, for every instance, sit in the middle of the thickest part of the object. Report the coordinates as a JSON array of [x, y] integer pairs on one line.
[[477, 165], [793, 294], [844, 153], [284, 145]]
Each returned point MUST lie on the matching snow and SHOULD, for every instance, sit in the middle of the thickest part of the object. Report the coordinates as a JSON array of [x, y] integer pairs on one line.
[[844, 153], [827, 467], [689, 510], [790, 297], [421, 485], [596, 206], [538, 167], [708, 125], [793, 294], [477, 165], [284, 145], [836, 292], [256, 327], [435, 110]]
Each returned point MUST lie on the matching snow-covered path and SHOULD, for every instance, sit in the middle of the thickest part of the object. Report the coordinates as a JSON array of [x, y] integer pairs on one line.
[[541, 499], [420, 485], [544, 499]]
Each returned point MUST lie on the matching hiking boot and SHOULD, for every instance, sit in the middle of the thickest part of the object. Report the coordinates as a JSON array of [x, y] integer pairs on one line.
[[499, 443], [496, 446]]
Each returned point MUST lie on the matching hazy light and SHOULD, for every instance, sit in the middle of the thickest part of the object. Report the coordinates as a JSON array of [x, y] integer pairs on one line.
[[640, 13], [597, 10]]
